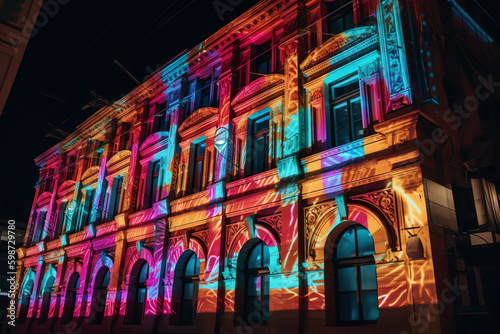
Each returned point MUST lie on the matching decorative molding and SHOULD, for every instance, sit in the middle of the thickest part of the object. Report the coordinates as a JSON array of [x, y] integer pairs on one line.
[[118, 157], [317, 93], [197, 117], [368, 70], [154, 143], [258, 86], [203, 236], [384, 200], [231, 234], [91, 171], [337, 43], [274, 221]]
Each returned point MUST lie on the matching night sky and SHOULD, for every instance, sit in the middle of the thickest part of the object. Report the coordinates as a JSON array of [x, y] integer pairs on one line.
[[72, 55]]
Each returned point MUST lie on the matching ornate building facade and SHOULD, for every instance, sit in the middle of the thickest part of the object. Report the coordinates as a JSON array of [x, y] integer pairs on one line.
[[295, 172]]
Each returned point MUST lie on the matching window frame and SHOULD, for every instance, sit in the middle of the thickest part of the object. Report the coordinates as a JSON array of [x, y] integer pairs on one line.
[[336, 102], [258, 272], [190, 279], [357, 262]]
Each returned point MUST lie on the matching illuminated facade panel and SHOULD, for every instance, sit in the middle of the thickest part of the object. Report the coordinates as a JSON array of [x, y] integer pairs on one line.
[[271, 179]]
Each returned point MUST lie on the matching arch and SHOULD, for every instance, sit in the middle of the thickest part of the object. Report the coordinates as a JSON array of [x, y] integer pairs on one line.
[[328, 227], [99, 291], [262, 233], [137, 257], [176, 251], [106, 262], [46, 290], [349, 260], [179, 305], [26, 293], [252, 287], [70, 295], [50, 275]]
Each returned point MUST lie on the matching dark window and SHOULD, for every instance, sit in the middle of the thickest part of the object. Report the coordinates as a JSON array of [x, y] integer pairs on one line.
[[189, 299], [153, 187], [198, 166], [100, 296], [25, 301], [46, 297], [340, 16], [89, 205], [70, 171], [117, 197], [97, 158], [258, 157], [140, 294], [205, 92], [257, 285], [37, 236], [263, 60], [346, 120], [357, 299], [70, 300], [125, 136], [61, 218]]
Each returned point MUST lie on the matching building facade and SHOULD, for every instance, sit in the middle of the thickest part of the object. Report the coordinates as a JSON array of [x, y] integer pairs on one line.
[[298, 171]]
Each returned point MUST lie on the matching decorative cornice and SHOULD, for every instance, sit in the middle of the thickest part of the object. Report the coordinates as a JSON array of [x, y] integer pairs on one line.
[[197, 117], [91, 171], [66, 187], [154, 143], [336, 44], [258, 86]]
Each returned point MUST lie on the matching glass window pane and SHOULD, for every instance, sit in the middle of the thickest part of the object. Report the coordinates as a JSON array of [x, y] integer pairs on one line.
[[254, 259], [365, 242], [349, 20], [141, 295], [370, 305], [105, 281], [347, 279], [368, 277], [190, 266], [253, 289], [341, 118], [143, 276], [346, 246], [356, 119], [266, 255], [348, 307], [188, 291], [335, 26]]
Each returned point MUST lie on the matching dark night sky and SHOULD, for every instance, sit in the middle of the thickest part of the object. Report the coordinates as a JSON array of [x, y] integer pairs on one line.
[[72, 55]]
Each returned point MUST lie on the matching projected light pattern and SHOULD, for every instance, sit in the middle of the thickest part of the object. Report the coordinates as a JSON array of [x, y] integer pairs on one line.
[[136, 193]]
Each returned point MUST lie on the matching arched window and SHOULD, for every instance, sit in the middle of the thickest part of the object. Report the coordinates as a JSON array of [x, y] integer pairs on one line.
[[356, 278], [70, 302], [257, 285], [100, 295], [25, 300], [190, 280], [46, 293], [140, 293]]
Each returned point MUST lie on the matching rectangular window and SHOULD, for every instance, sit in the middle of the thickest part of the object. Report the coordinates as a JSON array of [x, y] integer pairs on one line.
[[198, 166], [346, 120], [263, 61], [340, 16], [125, 136], [118, 193], [153, 188], [61, 218], [37, 235], [259, 150], [89, 205], [205, 92]]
